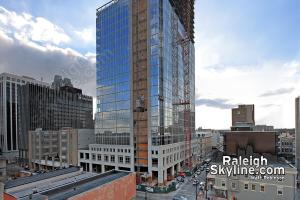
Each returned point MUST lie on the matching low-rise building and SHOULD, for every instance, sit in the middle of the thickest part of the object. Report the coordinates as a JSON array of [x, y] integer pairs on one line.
[[287, 146], [235, 141], [56, 149], [269, 187], [168, 159], [2, 168], [205, 141], [73, 183], [263, 128]]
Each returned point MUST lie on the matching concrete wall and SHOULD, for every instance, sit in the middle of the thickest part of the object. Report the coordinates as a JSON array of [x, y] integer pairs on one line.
[[85, 137], [120, 189]]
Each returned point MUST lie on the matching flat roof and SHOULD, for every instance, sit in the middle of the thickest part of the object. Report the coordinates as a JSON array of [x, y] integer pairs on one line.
[[64, 188], [38, 177], [84, 185]]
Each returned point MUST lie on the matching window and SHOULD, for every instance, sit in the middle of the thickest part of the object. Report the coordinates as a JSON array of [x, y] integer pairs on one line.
[[120, 159], [253, 187], [112, 158], [279, 191], [246, 186], [99, 157], [87, 156], [81, 155], [223, 184], [106, 158], [93, 156], [233, 185], [127, 159], [262, 188]]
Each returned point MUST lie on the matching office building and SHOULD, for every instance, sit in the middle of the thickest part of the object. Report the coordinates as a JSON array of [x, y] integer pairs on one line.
[[9, 114], [73, 184], [51, 109], [205, 143], [243, 117], [145, 85], [50, 150]]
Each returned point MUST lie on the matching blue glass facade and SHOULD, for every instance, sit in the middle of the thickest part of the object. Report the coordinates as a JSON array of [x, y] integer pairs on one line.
[[167, 75], [113, 74], [166, 70]]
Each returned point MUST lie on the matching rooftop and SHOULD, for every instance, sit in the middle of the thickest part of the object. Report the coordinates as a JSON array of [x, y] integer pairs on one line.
[[60, 184], [38, 177]]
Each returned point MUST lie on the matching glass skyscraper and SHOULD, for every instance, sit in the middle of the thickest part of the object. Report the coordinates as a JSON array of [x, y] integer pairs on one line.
[[145, 119]]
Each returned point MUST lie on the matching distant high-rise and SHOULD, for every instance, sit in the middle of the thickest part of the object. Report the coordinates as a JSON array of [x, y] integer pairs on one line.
[[243, 117], [145, 86], [297, 132], [9, 86], [52, 109]]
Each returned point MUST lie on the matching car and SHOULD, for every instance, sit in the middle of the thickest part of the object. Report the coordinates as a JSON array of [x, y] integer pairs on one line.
[[198, 172], [201, 168], [180, 179], [195, 182], [207, 170], [202, 183]]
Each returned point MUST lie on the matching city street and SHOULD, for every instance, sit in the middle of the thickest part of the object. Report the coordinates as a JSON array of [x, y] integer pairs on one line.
[[186, 189]]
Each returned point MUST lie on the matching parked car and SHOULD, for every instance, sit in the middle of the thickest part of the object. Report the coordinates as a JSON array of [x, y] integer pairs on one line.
[[180, 179], [182, 174], [198, 172], [195, 182], [202, 168], [202, 183]]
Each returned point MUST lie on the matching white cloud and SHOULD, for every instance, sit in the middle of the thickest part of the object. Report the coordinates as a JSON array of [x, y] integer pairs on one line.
[[28, 28], [244, 85], [36, 53], [87, 35]]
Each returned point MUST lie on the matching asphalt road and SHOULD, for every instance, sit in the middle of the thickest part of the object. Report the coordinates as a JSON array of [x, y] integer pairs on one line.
[[186, 189]]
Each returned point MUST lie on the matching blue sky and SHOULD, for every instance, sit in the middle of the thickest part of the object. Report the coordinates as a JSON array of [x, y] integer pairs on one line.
[[247, 51]]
